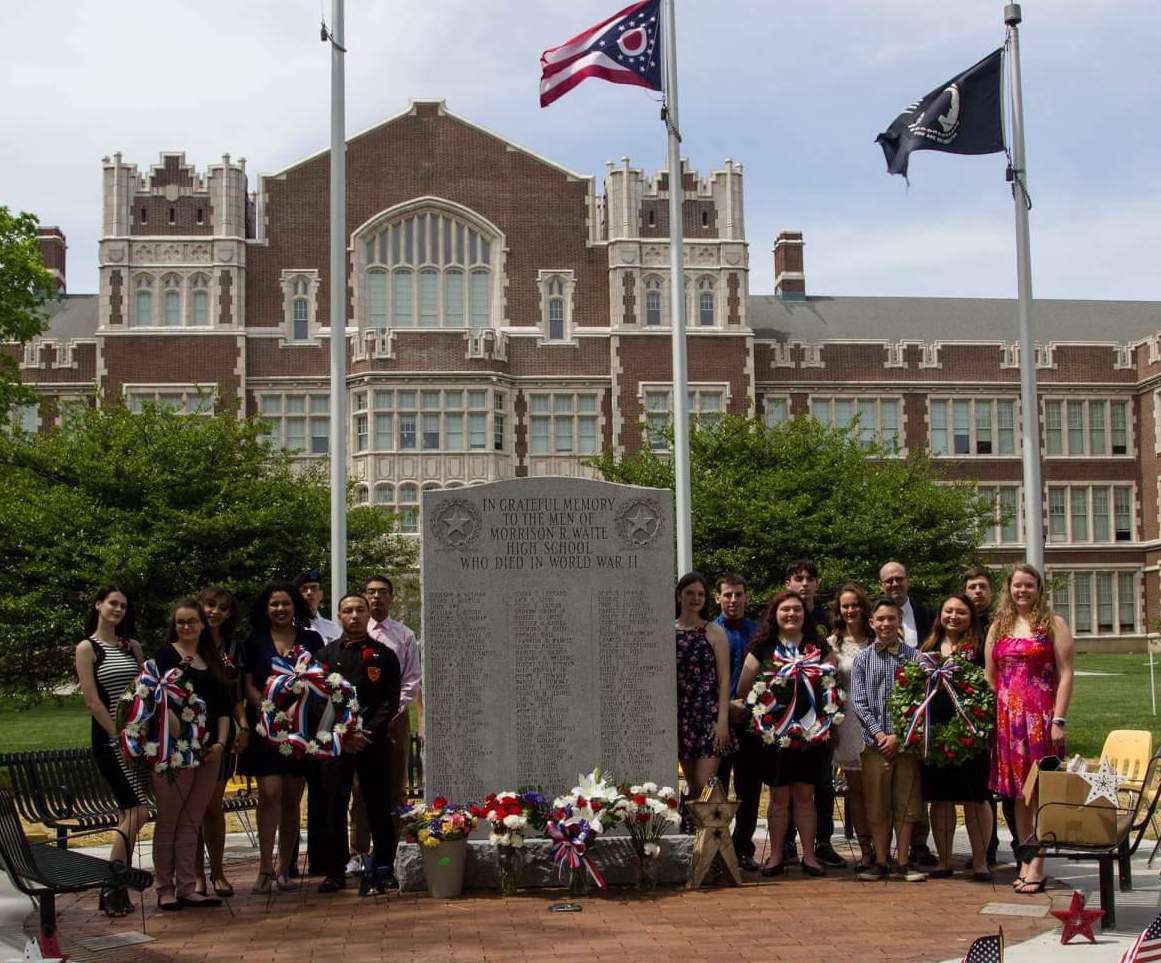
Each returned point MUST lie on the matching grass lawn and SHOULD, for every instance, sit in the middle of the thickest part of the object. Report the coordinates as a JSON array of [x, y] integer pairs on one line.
[[1117, 700]]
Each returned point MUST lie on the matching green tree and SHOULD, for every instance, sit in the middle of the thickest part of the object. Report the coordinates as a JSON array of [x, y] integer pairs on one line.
[[763, 496], [25, 284], [163, 504]]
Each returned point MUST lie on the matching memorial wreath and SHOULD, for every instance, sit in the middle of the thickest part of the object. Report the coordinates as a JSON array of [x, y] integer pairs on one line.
[[918, 684], [162, 721], [778, 713], [305, 711]]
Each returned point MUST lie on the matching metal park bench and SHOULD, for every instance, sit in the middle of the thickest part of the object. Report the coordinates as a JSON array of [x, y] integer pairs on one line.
[[42, 871]]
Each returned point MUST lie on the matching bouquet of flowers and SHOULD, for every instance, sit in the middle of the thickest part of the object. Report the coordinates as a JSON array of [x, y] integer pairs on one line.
[[646, 812], [510, 815], [305, 711], [162, 721], [778, 714], [437, 823], [965, 734], [575, 821]]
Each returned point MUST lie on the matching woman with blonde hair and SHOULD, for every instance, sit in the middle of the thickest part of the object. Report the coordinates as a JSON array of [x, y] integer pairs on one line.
[[1028, 660]]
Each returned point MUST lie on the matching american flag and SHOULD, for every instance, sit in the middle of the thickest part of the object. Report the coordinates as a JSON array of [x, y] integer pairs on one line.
[[1147, 946], [625, 49], [987, 949]]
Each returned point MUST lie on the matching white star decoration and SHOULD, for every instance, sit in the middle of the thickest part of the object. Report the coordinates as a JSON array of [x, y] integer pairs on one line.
[[1103, 783]]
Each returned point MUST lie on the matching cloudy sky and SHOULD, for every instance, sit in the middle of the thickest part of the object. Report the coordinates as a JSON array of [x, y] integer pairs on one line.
[[794, 90]]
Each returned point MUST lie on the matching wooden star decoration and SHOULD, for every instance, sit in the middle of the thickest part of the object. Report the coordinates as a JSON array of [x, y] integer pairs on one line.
[[1077, 920], [1103, 783], [711, 815]]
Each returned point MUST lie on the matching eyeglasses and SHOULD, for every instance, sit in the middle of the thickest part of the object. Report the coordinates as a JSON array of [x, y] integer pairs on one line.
[[187, 623]]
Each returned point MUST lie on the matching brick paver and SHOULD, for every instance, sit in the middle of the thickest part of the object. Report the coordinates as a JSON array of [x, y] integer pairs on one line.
[[789, 918]]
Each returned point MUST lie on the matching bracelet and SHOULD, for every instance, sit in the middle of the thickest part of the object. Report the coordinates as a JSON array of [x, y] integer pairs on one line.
[[1060, 722]]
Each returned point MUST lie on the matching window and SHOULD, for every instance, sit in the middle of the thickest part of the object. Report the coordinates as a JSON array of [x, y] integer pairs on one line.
[[878, 418], [705, 303], [403, 502], [1096, 602], [199, 300], [1007, 528], [555, 309], [200, 216], [300, 290], [1078, 427], [1081, 513], [143, 302], [25, 418], [297, 421], [706, 404], [777, 409], [973, 426], [172, 301], [172, 215], [563, 423], [183, 399], [360, 494], [428, 419], [427, 270], [653, 302]]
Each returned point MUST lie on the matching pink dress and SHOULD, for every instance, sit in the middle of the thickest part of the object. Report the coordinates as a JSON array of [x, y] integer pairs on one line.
[[1025, 699]]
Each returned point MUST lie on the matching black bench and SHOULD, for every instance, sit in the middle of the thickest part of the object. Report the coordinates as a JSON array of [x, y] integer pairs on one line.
[[42, 871]]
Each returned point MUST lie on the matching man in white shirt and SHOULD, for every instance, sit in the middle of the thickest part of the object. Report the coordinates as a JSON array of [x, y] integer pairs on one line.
[[309, 585], [895, 584]]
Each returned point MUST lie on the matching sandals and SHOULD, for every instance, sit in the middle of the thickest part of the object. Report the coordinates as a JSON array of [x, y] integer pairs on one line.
[[222, 886], [114, 903], [284, 883], [1030, 887], [261, 885]]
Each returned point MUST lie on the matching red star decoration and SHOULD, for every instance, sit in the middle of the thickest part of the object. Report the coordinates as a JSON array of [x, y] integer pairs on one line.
[[1077, 920]]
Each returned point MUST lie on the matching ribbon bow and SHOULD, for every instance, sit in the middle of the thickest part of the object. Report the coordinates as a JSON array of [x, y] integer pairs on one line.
[[571, 847], [289, 689], [156, 695], [939, 676], [791, 668], [891, 648]]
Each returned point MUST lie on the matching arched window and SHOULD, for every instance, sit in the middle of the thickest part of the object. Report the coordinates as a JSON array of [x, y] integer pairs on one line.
[[143, 301], [199, 300], [653, 302], [360, 494], [299, 290], [556, 309], [705, 303], [427, 270], [172, 303], [384, 494]]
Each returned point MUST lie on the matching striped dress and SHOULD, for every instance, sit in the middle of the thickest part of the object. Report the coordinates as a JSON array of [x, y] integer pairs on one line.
[[114, 668]]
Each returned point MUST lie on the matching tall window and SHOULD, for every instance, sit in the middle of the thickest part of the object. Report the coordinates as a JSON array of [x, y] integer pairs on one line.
[[1096, 602], [556, 309], [1077, 427], [973, 426], [705, 303], [1090, 513], [706, 404], [1006, 502], [199, 300], [25, 418], [143, 301], [653, 302], [297, 421], [428, 270], [777, 409], [300, 310], [428, 419], [171, 285], [878, 418], [404, 502], [563, 423]]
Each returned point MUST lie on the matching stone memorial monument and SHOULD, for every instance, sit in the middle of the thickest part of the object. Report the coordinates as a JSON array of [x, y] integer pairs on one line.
[[548, 635]]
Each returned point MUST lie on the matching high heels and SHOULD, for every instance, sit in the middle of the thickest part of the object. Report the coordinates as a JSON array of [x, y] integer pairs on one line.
[[222, 886], [261, 885], [283, 882]]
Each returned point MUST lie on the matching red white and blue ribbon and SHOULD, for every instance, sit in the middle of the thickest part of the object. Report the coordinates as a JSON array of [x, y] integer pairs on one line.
[[939, 676], [571, 842], [148, 734], [289, 693], [787, 668]]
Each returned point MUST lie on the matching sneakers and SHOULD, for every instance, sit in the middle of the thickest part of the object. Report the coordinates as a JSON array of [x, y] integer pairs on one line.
[[354, 865], [874, 873], [908, 873], [826, 855]]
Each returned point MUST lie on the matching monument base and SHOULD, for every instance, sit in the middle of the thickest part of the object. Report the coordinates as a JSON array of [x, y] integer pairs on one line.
[[613, 855]]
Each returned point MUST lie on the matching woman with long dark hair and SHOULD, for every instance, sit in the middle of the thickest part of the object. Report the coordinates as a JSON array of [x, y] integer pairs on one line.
[[956, 633], [107, 661], [184, 793], [278, 630], [222, 619]]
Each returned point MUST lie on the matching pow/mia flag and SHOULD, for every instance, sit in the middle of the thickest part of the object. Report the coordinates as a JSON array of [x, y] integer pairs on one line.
[[962, 116]]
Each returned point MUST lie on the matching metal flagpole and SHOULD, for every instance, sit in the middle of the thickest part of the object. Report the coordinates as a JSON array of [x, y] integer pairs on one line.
[[1030, 420], [338, 309], [677, 300]]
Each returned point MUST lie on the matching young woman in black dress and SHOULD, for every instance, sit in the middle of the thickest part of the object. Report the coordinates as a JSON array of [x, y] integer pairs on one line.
[[107, 661]]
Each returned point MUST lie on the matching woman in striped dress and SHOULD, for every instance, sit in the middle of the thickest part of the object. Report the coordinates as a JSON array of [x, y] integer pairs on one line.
[[108, 660]]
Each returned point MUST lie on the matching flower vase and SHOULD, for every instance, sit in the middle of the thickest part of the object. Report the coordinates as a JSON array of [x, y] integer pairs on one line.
[[579, 882], [443, 868], [508, 866], [646, 872]]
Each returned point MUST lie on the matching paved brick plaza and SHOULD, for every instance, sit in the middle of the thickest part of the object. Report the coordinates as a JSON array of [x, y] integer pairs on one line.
[[790, 918]]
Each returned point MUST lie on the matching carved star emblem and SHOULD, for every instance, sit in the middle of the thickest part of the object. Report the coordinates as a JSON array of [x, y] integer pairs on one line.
[[1077, 920], [458, 522], [641, 521], [1103, 783]]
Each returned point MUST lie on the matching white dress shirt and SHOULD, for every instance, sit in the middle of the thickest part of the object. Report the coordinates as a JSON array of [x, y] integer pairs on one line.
[[910, 632], [326, 628], [401, 640]]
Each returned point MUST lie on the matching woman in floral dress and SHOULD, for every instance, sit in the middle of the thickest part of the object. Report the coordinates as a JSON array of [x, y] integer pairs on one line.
[[703, 685], [1028, 660]]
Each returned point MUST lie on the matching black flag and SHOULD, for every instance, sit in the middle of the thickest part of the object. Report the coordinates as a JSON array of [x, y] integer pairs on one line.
[[962, 116]]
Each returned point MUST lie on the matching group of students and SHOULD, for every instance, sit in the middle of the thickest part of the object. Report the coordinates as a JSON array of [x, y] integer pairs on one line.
[[377, 654], [1024, 649]]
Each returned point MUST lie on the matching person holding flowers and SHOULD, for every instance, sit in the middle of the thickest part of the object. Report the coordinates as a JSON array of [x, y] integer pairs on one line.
[[703, 685], [107, 661], [851, 617], [1028, 660], [955, 636], [787, 698], [278, 630], [890, 778], [373, 669]]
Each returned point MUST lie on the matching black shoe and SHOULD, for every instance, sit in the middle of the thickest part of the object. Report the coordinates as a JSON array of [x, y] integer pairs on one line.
[[332, 884], [206, 902], [875, 873], [748, 863], [790, 853], [771, 871], [922, 856], [813, 870], [828, 857]]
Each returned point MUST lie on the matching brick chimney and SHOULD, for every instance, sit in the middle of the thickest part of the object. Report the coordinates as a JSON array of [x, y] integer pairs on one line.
[[52, 252], [789, 277]]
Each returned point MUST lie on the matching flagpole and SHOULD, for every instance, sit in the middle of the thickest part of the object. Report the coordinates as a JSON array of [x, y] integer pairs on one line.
[[1030, 407], [338, 309], [682, 522]]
